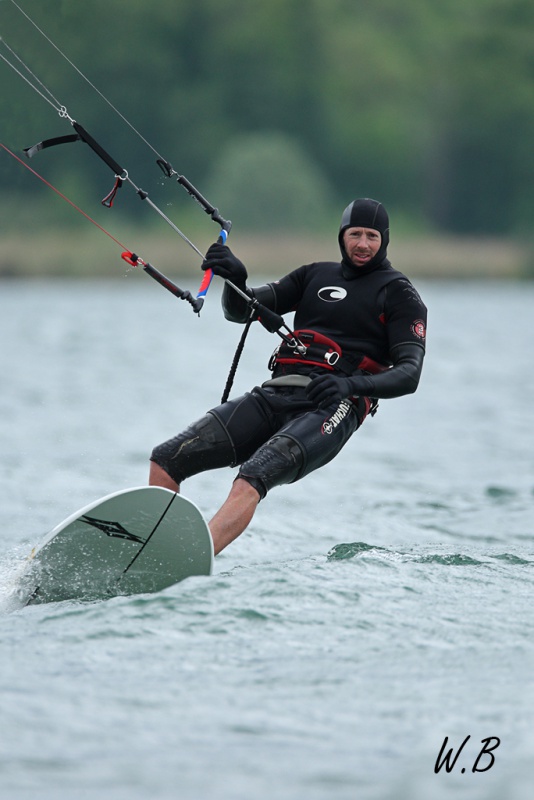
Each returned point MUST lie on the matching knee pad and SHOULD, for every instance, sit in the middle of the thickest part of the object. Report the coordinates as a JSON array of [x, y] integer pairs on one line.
[[280, 460], [203, 445]]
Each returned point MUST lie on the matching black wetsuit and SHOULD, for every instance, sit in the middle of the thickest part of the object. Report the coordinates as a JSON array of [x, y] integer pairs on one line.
[[367, 312], [277, 435]]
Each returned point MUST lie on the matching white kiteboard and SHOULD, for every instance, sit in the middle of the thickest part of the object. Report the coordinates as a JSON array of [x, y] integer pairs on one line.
[[129, 542]]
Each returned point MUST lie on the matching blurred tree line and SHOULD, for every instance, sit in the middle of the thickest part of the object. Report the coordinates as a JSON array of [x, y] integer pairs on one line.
[[282, 111]]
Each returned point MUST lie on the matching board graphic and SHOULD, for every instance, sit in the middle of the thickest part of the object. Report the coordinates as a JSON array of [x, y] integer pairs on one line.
[[130, 542]]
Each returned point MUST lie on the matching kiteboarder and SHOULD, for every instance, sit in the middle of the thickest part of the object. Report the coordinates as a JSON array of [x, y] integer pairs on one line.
[[359, 336]]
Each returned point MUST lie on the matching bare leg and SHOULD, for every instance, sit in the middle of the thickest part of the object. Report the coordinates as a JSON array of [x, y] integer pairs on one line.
[[158, 477], [234, 515]]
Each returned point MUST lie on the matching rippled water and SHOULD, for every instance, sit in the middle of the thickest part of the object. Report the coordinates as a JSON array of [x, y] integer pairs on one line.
[[372, 610]]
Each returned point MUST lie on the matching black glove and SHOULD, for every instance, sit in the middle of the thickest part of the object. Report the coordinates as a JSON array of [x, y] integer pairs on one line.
[[328, 389], [222, 261]]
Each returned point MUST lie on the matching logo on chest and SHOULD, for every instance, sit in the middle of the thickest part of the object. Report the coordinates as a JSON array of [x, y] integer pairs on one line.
[[331, 294]]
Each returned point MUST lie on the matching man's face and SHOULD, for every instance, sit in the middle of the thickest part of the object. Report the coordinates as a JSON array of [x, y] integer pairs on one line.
[[361, 245]]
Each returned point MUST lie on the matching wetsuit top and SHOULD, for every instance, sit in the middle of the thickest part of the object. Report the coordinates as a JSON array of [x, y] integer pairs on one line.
[[369, 312]]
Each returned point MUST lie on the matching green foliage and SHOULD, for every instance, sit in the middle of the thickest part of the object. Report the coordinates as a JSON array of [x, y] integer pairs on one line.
[[427, 106], [266, 181]]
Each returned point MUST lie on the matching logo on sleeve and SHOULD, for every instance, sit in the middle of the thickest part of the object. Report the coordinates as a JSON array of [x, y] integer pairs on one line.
[[331, 294], [418, 328]]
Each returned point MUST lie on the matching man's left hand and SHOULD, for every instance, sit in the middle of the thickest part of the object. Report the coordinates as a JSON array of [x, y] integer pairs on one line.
[[327, 389]]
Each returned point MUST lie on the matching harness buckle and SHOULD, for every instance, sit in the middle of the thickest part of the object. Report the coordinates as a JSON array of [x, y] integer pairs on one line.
[[296, 345], [331, 358]]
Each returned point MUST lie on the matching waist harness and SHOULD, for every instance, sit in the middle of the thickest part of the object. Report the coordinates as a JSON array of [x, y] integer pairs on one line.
[[312, 349]]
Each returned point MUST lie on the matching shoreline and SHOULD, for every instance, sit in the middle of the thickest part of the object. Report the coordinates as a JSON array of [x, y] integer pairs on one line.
[[70, 253]]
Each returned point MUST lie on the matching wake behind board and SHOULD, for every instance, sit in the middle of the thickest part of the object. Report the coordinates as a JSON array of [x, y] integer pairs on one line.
[[129, 542]]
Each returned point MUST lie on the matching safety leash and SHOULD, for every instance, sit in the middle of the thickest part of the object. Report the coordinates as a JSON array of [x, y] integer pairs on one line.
[[17, 64], [130, 257], [272, 322]]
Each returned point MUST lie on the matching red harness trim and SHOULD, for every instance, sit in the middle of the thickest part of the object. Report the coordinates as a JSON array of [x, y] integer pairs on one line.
[[322, 352], [369, 365]]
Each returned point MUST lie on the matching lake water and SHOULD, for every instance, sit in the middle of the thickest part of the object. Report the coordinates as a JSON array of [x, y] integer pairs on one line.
[[289, 673]]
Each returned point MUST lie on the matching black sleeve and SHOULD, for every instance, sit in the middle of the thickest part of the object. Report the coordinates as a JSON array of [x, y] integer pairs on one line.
[[402, 378], [280, 296], [405, 314], [235, 307]]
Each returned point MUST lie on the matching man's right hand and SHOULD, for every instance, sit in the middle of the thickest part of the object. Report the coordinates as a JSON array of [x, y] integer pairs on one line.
[[224, 263]]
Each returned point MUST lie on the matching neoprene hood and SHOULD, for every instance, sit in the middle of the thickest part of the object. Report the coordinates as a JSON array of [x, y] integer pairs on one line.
[[366, 213]]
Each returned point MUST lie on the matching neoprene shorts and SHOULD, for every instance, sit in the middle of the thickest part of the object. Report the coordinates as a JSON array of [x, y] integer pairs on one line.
[[275, 435]]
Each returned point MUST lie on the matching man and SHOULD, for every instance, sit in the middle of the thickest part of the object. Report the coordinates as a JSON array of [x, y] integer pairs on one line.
[[359, 336]]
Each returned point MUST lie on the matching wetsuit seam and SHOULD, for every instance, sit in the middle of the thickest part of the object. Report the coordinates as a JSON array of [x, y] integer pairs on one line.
[[302, 450], [408, 341], [223, 425]]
